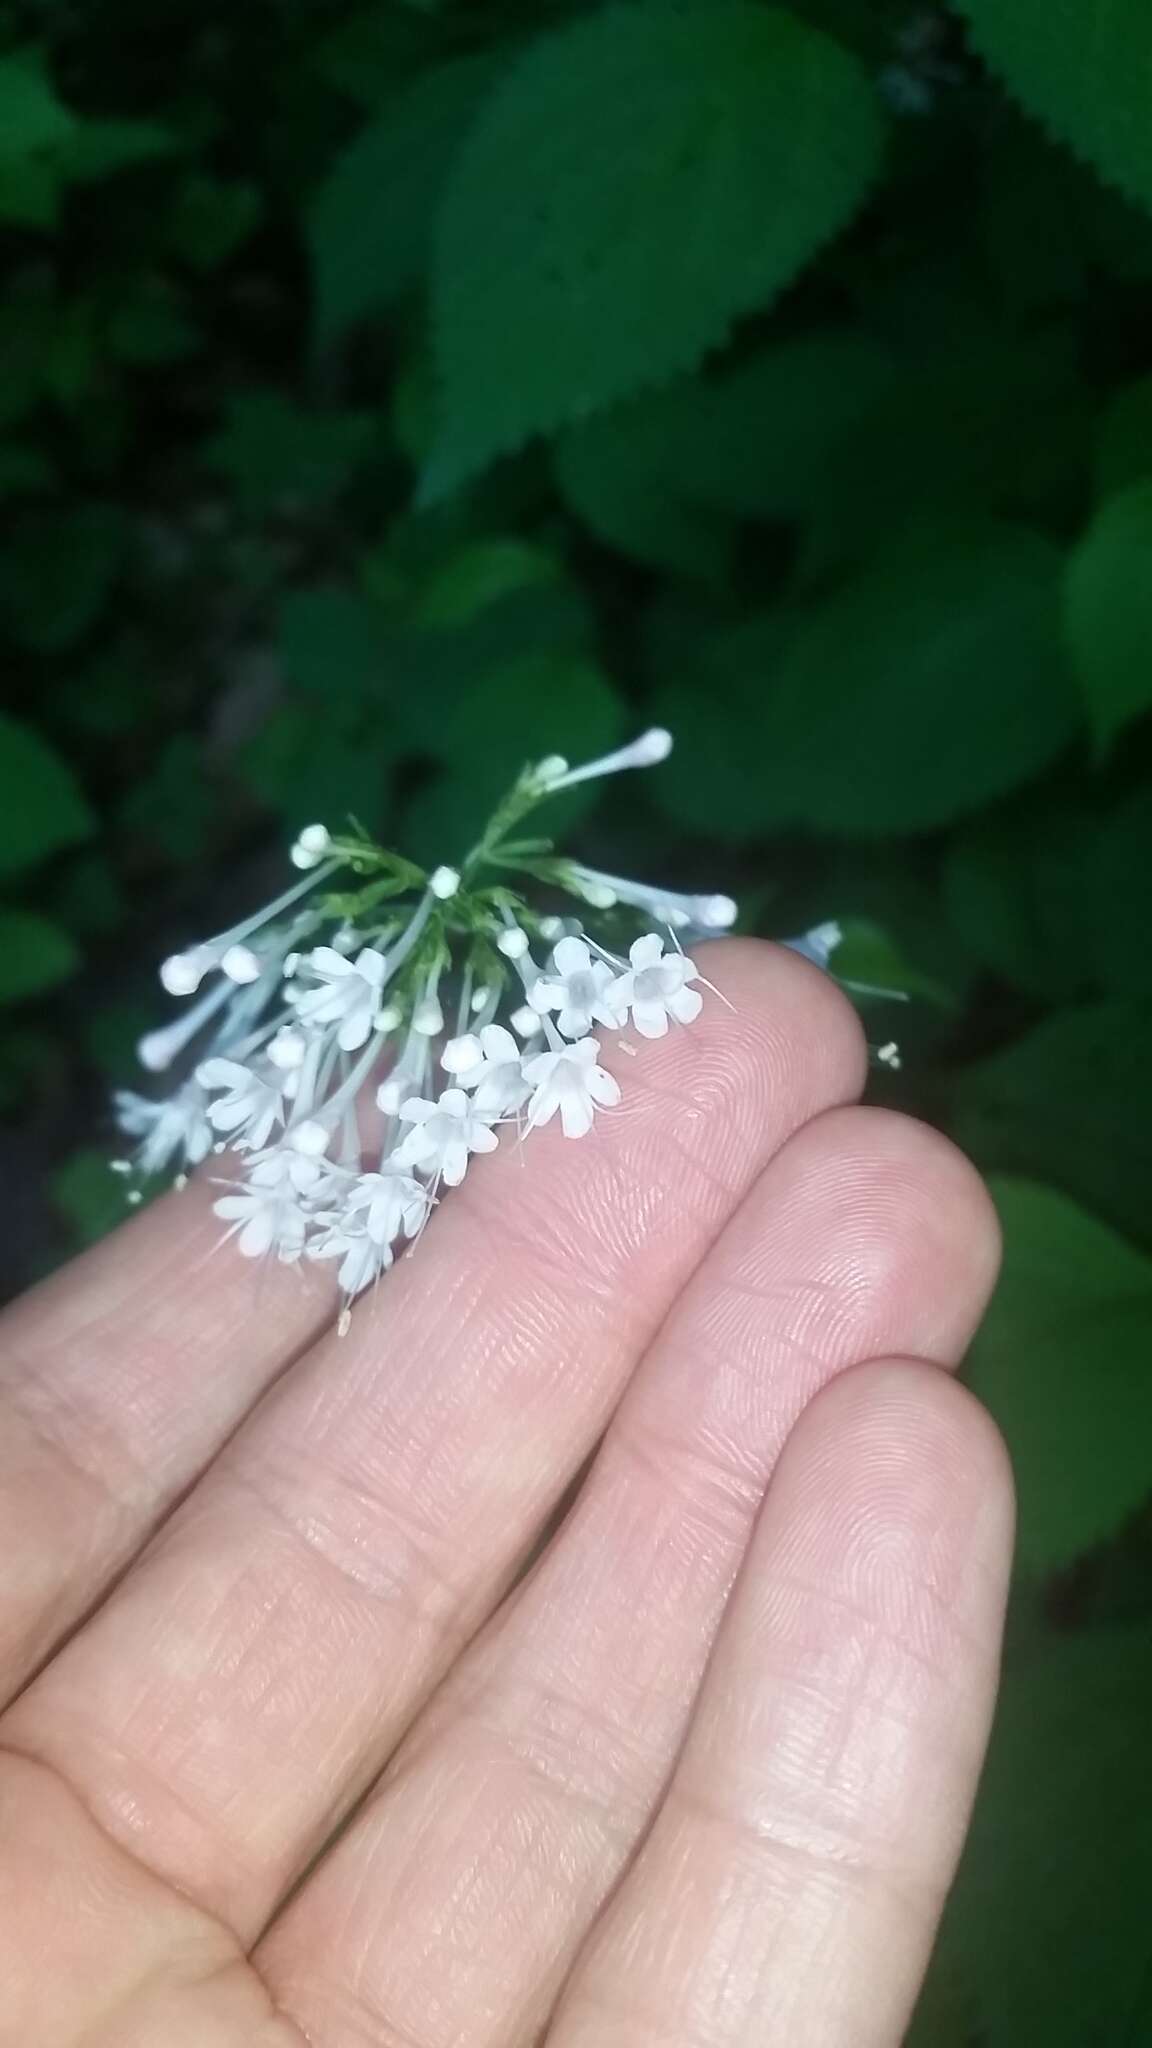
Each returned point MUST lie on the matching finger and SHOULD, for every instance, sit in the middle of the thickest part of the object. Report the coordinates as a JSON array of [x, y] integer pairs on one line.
[[791, 1886], [251, 1675], [119, 1379], [454, 1906]]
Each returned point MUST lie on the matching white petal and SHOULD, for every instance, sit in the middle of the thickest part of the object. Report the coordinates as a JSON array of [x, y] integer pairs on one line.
[[256, 1237], [604, 1088], [576, 1113], [650, 1019], [325, 960], [355, 1029], [499, 1045], [416, 1110], [648, 951], [462, 1053], [686, 1005], [482, 1139], [572, 957]]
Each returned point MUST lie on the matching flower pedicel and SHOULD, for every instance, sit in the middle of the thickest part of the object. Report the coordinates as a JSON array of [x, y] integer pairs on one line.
[[446, 996]]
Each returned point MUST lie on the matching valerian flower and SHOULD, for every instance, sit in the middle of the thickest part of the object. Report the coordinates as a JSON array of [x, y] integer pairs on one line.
[[577, 987], [656, 987], [444, 1134], [572, 1082], [313, 1029]]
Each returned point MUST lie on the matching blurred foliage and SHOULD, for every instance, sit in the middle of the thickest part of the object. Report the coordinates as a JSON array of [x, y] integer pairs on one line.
[[391, 391]]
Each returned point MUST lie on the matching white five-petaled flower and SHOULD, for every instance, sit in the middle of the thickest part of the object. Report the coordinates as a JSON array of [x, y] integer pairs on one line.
[[573, 1082], [346, 1238], [489, 1064], [251, 1105], [577, 987], [655, 987], [266, 1217], [175, 1130], [389, 1204], [348, 994], [443, 1135]]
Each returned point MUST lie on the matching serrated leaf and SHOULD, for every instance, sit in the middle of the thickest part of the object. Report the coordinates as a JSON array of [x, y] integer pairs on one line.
[[370, 224], [35, 954], [1085, 70], [637, 182], [1048, 1924], [1070, 1104], [1108, 610], [41, 806], [923, 688], [1064, 1362]]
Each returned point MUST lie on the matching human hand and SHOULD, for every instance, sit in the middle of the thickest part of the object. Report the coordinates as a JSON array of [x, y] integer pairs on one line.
[[701, 1779]]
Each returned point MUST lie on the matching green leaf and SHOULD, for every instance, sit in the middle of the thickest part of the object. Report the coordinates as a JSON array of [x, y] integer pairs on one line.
[[922, 689], [58, 571], [97, 149], [638, 181], [327, 768], [370, 225], [1049, 1920], [1070, 1104], [34, 955], [1124, 439], [210, 218], [41, 806], [666, 476], [1064, 1362], [276, 454], [1109, 612], [719, 779], [32, 118], [481, 574], [333, 645], [541, 704], [1084, 70]]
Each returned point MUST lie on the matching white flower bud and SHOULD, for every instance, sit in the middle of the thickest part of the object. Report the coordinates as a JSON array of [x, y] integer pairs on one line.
[[286, 1050], [428, 1017], [309, 1138], [241, 964], [525, 1022], [182, 973], [513, 943], [311, 846], [444, 883]]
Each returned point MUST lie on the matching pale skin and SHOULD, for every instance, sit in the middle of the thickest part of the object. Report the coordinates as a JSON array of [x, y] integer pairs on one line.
[[294, 1750]]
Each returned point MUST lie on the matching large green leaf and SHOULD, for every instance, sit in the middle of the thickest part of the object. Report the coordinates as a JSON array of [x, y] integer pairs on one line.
[[1109, 612], [370, 225], [1049, 1920], [1064, 1361], [34, 954], [1084, 67], [664, 476], [926, 686], [1071, 1103], [639, 180], [41, 807]]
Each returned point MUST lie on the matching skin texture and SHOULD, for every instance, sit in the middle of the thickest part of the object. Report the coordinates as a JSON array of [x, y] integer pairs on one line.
[[293, 1748]]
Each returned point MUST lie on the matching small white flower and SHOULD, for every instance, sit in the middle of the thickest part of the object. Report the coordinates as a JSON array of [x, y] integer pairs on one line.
[[176, 1130], [389, 1204], [362, 1260], [291, 1172], [266, 1216], [572, 1082], [655, 988], [443, 1135], [577, 988], [250, 1106], [348, 995], [491, 1066]]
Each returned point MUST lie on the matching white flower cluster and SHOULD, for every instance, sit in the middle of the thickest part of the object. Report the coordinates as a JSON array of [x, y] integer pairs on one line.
[[323, 1062]]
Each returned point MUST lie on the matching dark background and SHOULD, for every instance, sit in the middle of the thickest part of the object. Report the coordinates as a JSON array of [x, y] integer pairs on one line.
[[389, 393]]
